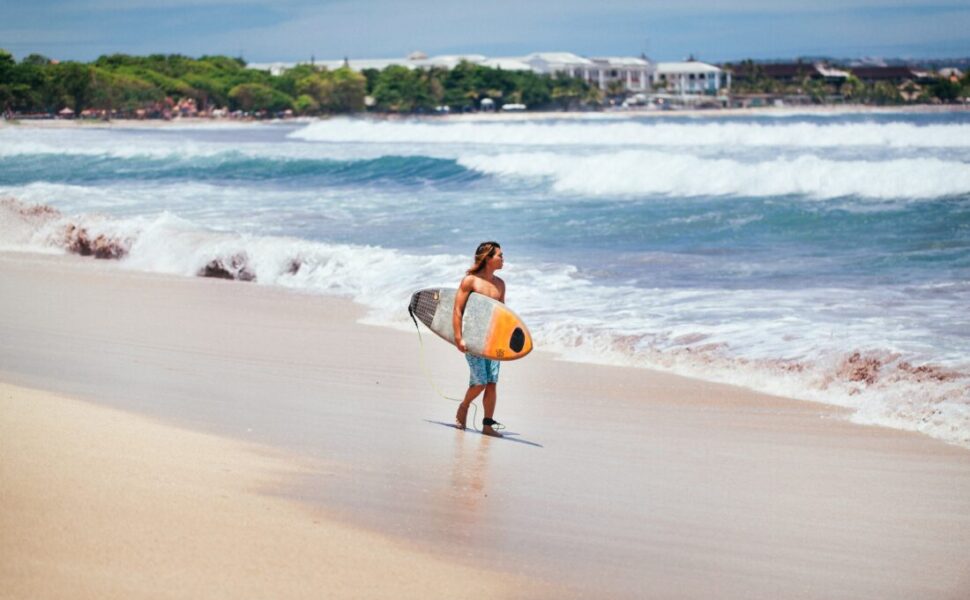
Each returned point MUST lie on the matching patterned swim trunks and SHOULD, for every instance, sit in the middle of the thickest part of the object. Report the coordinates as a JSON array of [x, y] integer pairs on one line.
[[482, 370]]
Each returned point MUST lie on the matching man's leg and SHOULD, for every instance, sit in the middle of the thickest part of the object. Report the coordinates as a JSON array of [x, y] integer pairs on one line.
[[471, 394], [491, 395]]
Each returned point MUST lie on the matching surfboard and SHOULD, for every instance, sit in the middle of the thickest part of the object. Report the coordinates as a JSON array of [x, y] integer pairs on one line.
[[489, 328]]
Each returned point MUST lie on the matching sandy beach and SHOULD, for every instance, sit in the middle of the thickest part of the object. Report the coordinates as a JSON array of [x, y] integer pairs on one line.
[[164, 436], [103, 504]]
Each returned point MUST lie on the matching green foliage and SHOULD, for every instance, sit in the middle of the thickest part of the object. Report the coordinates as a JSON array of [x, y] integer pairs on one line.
[[288, 81], [852, 89], [35, 59], [305, 105], [254, 97], [883, 92], [399, 89], [126, 83], [534, 91], [77, 80], [340, 91], [7, 65], [371, 75], [569, 92], [749, 78], [349, 89], [119, 91], [616, 90], [945, 90], [816, 89]]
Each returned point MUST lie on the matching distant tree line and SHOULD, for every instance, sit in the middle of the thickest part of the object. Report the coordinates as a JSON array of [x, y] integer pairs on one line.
[[750, 77], [156, 85], [161, 85]]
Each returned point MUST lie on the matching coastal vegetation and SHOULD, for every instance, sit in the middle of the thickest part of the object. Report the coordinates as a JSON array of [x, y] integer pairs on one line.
[[751, 78], [160, 85], [164, 85]]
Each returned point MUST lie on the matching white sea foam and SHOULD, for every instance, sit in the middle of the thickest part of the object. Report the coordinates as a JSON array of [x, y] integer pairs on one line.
[[640, 133], [640, 172], [828, 345], [349, 139], [637, 169], [105, 143]]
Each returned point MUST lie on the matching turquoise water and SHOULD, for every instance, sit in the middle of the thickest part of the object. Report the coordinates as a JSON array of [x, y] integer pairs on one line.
[[779, 253]]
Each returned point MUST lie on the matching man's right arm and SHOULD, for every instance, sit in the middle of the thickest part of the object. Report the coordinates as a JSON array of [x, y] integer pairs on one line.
[[461, 298]]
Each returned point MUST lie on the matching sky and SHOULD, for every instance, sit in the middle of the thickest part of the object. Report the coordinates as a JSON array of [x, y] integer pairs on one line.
[[292, 30]]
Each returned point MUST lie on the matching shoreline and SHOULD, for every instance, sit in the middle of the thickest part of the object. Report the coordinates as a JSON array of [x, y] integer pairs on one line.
[[858, 382], [497, 116], [652, 472]]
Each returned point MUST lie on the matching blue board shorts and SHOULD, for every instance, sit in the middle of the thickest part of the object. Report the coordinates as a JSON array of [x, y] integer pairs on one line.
[[482, 370]]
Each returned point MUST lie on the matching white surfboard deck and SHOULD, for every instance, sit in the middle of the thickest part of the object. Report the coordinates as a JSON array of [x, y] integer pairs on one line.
[[489, 328]]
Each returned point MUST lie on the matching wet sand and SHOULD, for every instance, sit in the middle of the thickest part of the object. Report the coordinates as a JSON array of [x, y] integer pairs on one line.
[[615, 483], [100, 504]]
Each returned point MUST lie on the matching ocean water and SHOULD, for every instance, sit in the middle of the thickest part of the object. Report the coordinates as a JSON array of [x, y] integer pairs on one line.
[[823, 258]]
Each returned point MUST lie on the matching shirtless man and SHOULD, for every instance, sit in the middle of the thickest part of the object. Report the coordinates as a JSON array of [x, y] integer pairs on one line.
[[484, 372]]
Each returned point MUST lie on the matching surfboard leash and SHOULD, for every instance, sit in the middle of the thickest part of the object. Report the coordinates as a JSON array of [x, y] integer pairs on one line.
[[427, 372]]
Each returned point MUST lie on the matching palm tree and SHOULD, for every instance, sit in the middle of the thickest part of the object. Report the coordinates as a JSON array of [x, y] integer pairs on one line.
[[616, 90]]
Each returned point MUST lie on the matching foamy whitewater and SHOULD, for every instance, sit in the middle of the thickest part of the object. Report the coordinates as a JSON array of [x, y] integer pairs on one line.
[[820, 258]]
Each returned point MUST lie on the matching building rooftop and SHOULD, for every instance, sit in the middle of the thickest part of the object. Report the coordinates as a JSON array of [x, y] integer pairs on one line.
[[621, 61], [506, 64], [557, 57], [691, 66]]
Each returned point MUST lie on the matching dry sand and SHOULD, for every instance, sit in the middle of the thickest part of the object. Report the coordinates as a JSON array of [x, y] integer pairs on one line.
[[618, 482]]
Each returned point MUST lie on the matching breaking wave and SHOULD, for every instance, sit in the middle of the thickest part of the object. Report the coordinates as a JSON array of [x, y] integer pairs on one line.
[[228, 166], [622, 174], [639, 133], [774, 341], [642, 172]]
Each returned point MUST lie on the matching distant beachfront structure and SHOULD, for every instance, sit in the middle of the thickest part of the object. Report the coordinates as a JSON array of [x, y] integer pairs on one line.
[[691, 77], [634, 73], [799, 71]]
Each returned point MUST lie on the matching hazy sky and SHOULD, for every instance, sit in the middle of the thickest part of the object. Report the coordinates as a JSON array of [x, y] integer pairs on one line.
[[664, 29]]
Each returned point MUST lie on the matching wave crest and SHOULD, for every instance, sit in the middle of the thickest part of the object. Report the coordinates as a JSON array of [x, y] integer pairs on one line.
[[642, 172], [628, 133]]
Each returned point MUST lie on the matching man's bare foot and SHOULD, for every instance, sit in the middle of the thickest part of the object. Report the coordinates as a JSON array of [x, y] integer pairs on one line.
[[461, 416], [487, 430]]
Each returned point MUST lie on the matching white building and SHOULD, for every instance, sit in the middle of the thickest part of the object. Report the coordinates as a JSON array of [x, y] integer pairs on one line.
[[506, 64], [415, 60], [550, 63], [634, 73], [690, 77]]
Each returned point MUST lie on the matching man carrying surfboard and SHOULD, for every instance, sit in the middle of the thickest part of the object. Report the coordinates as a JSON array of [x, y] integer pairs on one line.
[[480, 278]]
